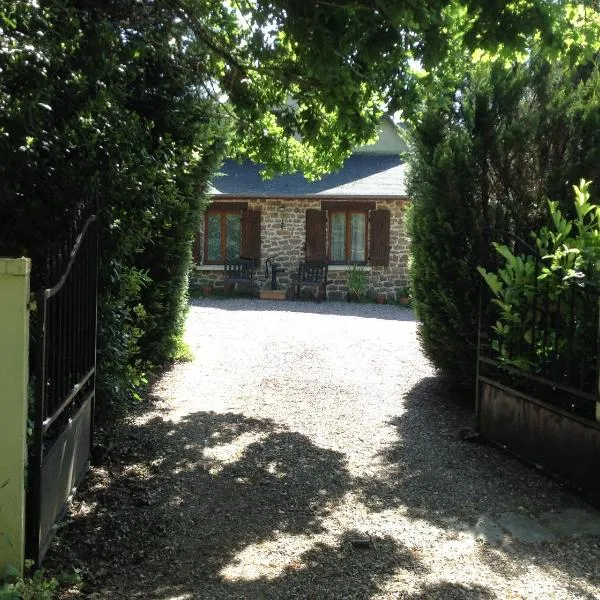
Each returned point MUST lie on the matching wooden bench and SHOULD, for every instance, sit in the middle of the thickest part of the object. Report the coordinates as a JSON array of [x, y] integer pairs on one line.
[[239, 270], [310, 274]]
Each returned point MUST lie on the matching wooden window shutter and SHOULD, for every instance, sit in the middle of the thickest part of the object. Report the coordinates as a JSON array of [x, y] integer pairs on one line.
[[251, 235], [196, 248], [316, 231], [380, 238]]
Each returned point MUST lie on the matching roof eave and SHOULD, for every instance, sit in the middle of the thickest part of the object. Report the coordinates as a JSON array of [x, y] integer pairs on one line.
[[309, 196]]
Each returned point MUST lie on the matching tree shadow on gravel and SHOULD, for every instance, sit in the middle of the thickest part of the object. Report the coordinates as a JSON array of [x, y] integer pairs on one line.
[[389, 312], [437, 476], [451, 591], [325, 572], [177, 502]]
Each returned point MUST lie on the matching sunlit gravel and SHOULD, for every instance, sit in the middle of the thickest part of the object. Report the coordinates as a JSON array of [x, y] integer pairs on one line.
[[310, 451]]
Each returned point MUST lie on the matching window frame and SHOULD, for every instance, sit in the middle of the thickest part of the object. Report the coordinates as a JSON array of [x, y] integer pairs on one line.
[[223, 212], [347, 212]]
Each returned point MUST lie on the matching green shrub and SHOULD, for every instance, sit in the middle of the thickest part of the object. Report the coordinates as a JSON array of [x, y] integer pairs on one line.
[[91, 116], [357, 282], [443, 229], [511, 137], [539, 306], [37, 586]]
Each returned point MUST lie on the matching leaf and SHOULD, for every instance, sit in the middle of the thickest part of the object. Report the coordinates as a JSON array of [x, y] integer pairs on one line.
[[505, 252], [506, 277], [492, 281]]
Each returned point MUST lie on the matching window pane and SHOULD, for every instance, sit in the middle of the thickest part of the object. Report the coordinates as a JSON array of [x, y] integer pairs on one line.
[[357, 237], [234, 236], [214, 238], [338, 237]]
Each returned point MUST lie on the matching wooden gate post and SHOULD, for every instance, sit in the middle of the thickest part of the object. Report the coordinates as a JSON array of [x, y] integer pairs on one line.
[[14, 336]]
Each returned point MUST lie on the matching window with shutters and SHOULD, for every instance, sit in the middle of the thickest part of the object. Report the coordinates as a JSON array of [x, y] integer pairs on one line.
[[223, 235], [231, 231], [348, 236], [348, 232]]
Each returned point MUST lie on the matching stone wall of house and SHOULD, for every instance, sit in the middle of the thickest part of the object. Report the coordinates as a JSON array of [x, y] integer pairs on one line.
[[282, 231], [283, 224], [380, 280]]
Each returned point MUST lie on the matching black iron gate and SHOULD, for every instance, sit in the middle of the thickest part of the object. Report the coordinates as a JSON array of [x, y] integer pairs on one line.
[[552, 346], [64, 329], [537, 373]]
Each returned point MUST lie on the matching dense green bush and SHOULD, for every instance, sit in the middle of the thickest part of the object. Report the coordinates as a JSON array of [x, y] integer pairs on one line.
[[442, 220], [98, 108], [546, 301], [510, 138]]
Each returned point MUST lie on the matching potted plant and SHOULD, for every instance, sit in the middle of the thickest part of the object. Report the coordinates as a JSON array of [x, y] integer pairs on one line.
[[207, 290], [380, 298], [357, 284], [404, 296]]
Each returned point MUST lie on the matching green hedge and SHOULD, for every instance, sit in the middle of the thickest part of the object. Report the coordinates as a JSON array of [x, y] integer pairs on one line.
[[510, 138], [98, 108]]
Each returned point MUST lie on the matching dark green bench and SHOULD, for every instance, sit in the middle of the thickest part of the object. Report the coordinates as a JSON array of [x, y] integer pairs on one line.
[[311, 274], [239, 270]]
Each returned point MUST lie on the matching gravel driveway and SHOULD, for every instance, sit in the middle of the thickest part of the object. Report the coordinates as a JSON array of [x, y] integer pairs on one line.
[[310, 452]]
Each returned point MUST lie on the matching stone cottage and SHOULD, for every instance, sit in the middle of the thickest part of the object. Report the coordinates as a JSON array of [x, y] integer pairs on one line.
[[352, 217]]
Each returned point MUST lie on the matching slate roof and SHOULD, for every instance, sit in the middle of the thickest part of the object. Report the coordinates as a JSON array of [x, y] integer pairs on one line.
[[362, 175]]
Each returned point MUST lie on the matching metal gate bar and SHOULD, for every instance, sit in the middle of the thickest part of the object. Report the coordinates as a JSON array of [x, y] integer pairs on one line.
[[64, 388]]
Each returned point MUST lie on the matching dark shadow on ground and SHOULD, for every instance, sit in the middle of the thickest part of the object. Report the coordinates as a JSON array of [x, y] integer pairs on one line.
[[338, 572], [439, 477], [433, 482], [166, 515], [451, 591], [390, 312]]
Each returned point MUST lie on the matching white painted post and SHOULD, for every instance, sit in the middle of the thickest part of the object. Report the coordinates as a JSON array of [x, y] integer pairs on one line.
[[14, 342]]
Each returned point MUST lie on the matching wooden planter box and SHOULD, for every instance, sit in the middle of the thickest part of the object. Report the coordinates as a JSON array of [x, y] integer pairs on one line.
[[272, 294], [563, 444]]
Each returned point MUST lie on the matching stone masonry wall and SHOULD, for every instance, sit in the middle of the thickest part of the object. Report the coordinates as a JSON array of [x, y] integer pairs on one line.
[[286, 244]]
